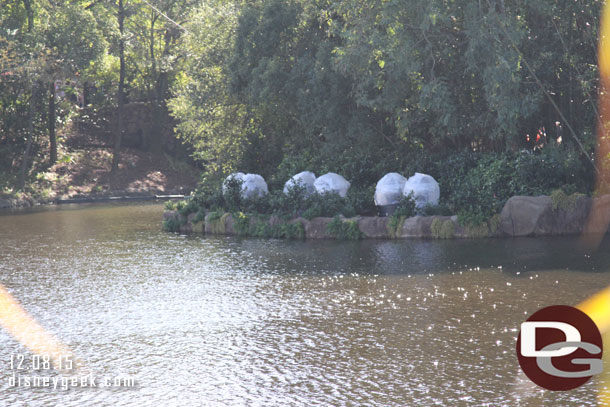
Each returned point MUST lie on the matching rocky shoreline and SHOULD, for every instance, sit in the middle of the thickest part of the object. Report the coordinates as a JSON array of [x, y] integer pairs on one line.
[[521, 216]]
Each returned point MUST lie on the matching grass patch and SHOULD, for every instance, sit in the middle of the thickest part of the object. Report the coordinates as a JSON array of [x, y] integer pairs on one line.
[[562, 201], [442, 229], [173, 224], [344, 229]]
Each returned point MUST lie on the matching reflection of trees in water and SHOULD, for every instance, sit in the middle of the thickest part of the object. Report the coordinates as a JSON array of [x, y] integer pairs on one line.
[[416, 256]]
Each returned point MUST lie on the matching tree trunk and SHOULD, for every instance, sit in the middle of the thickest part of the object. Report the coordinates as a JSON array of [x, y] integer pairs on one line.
[[30, 13], [159, 114], [52, 137], [120, 96], [28, 147]]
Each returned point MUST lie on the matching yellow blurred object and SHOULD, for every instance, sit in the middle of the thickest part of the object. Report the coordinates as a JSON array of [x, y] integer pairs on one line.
[[19, 324], [604, 45], [597, 308]]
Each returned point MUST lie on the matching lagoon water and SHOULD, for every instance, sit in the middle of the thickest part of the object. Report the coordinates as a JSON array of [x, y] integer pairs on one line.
[[219, 321]]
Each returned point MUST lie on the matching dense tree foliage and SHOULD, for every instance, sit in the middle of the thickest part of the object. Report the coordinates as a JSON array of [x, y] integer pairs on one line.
[[357, 87], [324, 80], [41, 42]]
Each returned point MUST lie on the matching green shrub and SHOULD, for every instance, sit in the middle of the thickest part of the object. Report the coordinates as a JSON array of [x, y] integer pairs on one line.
[[474, 185], [217, 222], [232, 194], [180, 205], [435, 210], [209, 194], [442, 229], [241, 223], [343, 229], [173, 224], [361, 200], [477, 230], [285, 230], [291, 204], [187, 207], [447, 230], [170, 205], [494, 224], [435, 228], [199, 215], [215, 215], [327, 205], [395, 224], [404, 209], [562, 201]]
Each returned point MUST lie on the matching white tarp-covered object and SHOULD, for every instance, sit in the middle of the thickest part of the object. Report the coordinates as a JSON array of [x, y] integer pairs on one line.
[[389, 189], [305, 179], [425, 190], [253, 185], [236, 175], [331, 183]]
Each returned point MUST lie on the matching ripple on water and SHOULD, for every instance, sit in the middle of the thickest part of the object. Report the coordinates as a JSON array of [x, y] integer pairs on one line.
[[224, 321]]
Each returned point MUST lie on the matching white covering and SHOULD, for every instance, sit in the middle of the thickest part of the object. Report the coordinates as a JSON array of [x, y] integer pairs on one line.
[[331, 183], [425, 190], [252, 184], [304, 179], [389, 189], [236, 175]]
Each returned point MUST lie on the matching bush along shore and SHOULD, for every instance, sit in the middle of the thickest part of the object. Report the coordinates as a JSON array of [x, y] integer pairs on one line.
[[297, 215]]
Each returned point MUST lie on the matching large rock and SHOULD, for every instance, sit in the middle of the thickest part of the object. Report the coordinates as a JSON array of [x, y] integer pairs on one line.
[[252, 185], [316, 228], [196, 225], [331, 183], [389, 189], [599, 216], [304, 179], [222, 225], [374, 227], [424, 188], [535, 216], [421, 226]]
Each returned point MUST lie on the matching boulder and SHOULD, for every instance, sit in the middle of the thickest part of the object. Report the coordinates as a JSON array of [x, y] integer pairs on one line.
[[535, 216], [252, 185], [374, 227], [599, 216], [316, 228], [389, 189], [525, 215], [424, 188], [331, 183], [421, 227], [305, 179], [416, 226], [197, 226]]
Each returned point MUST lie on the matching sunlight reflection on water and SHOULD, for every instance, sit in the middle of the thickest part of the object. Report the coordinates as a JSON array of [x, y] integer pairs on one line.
[[227, 321]]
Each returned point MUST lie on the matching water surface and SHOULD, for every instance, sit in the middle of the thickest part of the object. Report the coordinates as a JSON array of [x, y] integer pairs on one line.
[[216, 321]]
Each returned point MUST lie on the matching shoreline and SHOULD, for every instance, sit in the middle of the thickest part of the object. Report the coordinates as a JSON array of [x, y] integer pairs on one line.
[[14, 202], [521, 216]]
